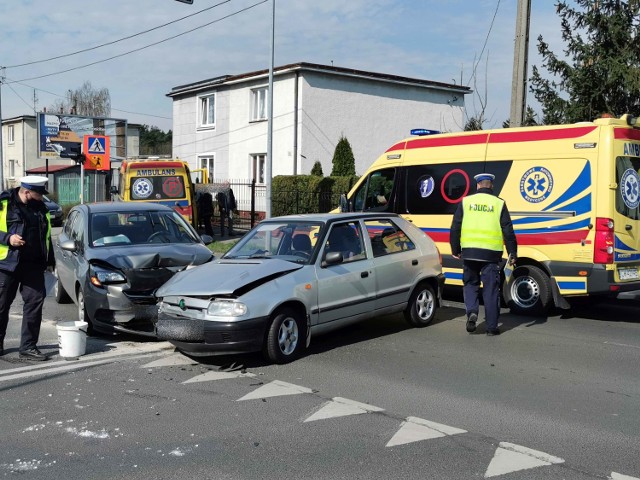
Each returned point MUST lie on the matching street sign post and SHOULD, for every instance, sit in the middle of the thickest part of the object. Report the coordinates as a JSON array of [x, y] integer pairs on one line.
[[97, 152]]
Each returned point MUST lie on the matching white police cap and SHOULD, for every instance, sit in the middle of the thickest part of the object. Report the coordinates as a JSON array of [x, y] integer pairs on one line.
[[484, 176], [34, 183]]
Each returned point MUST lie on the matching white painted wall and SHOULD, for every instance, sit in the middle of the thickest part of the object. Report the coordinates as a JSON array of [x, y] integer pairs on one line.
[[373, 115]]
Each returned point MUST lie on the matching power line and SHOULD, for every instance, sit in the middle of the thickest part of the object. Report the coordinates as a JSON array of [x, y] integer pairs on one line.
[[473, 73], [64, 96], [141, 48], [116, 41]]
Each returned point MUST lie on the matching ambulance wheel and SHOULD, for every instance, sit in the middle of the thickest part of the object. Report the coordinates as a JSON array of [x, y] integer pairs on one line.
[[529, 291]]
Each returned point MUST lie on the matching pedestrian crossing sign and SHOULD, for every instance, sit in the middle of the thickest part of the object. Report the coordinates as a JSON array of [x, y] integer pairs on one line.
[[96, 151]]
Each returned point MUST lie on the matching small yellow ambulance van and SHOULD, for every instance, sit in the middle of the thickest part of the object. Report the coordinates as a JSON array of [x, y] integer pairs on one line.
[[572, 191], [160, 181]]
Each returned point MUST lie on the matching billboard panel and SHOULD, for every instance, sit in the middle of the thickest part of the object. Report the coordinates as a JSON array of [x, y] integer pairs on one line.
[[60, 132]]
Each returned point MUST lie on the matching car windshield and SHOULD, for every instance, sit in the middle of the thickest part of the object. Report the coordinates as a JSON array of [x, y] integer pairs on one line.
[[137, 228], [292, 241]]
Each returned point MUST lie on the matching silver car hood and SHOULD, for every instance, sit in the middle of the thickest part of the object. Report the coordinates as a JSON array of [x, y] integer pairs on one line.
[[224, 277]]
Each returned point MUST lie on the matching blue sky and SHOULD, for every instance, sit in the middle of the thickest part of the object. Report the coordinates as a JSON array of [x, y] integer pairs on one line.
[[434, 40]]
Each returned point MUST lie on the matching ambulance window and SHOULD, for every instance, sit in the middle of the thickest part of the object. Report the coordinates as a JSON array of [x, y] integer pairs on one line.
[[157, 188], [436, 189], [375, 192], [627, 194]]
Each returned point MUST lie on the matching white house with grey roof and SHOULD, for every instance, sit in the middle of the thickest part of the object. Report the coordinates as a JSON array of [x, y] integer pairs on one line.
[[221, 123]]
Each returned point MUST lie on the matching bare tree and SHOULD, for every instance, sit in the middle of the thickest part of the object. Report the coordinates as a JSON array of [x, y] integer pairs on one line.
[[86, 101]]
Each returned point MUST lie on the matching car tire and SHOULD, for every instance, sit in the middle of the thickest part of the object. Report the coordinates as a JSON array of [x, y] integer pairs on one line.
[[422, 306], [83, 316], [285, 337], [529, 291], [59, 292]]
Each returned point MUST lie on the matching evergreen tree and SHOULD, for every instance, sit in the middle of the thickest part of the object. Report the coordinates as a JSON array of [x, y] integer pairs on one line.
[[601, 72], [154, 141], [317, 169], [344, 164]]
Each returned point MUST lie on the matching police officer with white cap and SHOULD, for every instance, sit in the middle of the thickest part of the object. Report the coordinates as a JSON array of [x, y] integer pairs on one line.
[[25, 253], [480, 228]]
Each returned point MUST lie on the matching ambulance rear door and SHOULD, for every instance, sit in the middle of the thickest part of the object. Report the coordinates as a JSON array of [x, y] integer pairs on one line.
[[626, 215]]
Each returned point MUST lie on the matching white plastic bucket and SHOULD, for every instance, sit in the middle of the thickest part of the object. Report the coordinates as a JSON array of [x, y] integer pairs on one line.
[[72, 339]]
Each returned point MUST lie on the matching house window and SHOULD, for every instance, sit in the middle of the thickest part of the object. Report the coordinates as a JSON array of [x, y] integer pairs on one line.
[[208, 111], [259, 104], [11, 135], [207, 162], [12, 168], [258, 167]]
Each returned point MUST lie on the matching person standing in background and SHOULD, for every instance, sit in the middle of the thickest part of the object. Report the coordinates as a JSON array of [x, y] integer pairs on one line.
[[227, 206]]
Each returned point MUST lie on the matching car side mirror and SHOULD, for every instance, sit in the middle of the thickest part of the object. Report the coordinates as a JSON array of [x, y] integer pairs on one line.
[[69, 246], [206, 239], [332, 258]]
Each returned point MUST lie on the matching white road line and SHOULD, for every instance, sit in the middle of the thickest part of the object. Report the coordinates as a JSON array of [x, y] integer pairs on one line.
[[45, 368], [618, 476], [415, 429], [512, 458], [341, 407], [171, 360], [621, 345], [209, 376], [275, 389]]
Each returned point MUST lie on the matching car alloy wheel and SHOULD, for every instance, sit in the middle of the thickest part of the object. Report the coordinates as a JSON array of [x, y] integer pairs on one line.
[[283, 339]]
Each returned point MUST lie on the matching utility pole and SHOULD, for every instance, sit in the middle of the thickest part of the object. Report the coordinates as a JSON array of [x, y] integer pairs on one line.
[[269, 165], [520, 60]]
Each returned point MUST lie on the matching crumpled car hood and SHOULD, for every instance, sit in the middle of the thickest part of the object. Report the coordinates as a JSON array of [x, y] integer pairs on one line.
[[131, 257], [148, 267], [224, 277]]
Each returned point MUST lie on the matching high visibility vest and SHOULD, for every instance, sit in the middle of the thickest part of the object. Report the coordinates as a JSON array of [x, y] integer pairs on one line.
[[481, 222], [4, 249]]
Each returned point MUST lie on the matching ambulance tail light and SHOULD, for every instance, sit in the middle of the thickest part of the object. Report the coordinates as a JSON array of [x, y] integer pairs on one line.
[[603, 251]]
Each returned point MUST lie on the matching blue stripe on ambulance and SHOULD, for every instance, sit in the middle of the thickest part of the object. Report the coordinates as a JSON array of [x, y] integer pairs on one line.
[[564, 285], [623, 252]]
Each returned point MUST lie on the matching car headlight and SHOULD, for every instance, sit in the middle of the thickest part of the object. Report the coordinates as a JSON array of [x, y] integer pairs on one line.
[[227, 308], [101, 276]]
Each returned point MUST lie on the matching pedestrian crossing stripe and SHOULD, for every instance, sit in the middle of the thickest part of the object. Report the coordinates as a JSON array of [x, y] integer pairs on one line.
[[619, 476], [97, 146]]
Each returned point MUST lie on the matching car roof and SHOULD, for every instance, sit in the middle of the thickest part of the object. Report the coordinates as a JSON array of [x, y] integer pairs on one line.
[[126, 207], [331, 217]]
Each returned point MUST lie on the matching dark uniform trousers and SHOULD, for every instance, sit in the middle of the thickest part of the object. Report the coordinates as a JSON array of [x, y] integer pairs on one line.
[[30, 278], [488, 273]]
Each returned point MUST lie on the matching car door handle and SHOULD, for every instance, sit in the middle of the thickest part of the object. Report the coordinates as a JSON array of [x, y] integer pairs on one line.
[[414, 262], [364, 274], [628, 227]]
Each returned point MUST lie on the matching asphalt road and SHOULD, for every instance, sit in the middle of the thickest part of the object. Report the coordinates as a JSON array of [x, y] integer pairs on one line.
[[552, 398]]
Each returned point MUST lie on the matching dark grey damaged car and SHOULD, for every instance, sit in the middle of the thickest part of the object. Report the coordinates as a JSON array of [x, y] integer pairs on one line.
[[112, 257]]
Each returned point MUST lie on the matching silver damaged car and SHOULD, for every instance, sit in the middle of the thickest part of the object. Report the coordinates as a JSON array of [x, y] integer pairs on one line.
[[293, 277]]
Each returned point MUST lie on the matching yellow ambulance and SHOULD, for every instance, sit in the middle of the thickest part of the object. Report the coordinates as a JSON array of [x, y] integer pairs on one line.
[[572, 191]]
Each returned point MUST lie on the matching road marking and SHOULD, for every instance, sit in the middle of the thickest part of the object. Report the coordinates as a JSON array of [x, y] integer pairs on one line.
[[621, 345], [341, 407], [209, 376], [415, 429], [512, 458], [50, 367], [171, 360], [275, 389], [619, 476]]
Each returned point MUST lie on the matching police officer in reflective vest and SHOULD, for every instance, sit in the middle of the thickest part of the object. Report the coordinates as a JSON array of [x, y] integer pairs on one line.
[[480, 227], [25, 253]]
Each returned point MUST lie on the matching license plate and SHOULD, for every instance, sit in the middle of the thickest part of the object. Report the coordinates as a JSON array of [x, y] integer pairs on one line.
[[628, 273]]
